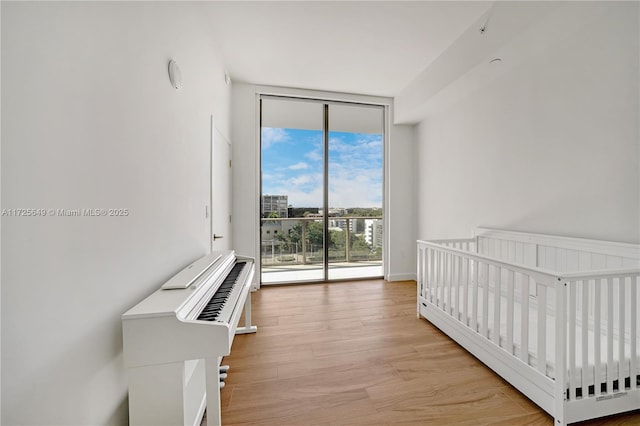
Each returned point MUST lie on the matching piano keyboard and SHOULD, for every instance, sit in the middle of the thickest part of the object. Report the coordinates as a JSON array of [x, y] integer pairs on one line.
[[212, 310]]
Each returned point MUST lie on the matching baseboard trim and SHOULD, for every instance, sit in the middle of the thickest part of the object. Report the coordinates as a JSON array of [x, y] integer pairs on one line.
[[401, 277]]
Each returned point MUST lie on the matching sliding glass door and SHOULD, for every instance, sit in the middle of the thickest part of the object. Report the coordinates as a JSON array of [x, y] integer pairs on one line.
[[291, 229], [321, 190], [354, 178]]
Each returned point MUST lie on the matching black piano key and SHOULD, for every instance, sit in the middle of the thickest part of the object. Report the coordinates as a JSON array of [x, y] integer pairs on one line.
[[217, 302]]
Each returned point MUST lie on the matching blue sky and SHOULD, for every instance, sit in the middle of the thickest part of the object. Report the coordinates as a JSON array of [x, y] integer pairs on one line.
[[292, 165]]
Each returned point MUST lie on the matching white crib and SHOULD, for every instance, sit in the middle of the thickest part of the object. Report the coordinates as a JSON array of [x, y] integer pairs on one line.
[[530, 306]]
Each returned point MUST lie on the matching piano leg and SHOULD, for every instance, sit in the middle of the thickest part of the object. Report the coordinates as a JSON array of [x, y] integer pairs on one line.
[[248, 328], [212, 369]]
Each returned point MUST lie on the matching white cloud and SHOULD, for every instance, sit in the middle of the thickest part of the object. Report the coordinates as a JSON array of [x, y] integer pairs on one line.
[[299, 166], [300, 180], [301, 198], [314, 155], [271, 136]]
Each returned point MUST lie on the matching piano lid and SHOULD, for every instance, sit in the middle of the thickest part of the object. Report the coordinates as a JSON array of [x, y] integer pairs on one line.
[[167, 302], [188, 275]]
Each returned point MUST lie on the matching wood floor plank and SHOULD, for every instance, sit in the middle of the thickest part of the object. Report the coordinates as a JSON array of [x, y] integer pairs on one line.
[[354, 353], [483, 407], [286, 409]]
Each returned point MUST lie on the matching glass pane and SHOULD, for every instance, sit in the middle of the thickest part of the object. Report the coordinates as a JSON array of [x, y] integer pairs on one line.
[[355, 191], [292, 191]]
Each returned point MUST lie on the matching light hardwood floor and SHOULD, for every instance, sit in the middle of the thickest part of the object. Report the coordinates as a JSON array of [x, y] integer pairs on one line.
[[355, 353]]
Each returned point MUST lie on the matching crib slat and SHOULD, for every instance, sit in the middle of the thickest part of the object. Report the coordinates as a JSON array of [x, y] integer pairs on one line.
[[433, 279], [510, 287], [621, 313], [524, 319], [572, 340], [438, 295], [542, 328], [424, 257], [634, 331], [496, 306], [465, 297], [456, 306], [445, 271], [432, 274], [443, 294], [436, 277], [441, 270], [425, 273], [474, 305], [450, 284], [560, 353], [428, 274], [441, 267], [446, 283], [465, 283], [421, 271], [485, 302], [596, 334], [610, 375], [585, 336], [423, 266]]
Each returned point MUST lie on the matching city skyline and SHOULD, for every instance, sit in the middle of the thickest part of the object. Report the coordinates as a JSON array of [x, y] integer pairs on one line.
[[292, 164]]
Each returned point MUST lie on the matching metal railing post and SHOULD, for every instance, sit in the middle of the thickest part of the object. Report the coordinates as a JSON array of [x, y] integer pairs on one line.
[[347, 242], [304, 242]]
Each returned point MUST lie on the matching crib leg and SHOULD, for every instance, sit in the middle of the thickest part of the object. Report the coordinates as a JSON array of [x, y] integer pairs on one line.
[[561, 354]]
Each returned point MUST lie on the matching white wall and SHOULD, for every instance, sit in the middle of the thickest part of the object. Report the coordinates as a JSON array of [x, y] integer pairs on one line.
[[401, 247], [245, 199], [550, 146], [399, 178], [89, 120]]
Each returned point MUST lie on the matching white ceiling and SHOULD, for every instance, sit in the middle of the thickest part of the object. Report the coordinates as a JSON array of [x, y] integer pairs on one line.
[[373, 48]]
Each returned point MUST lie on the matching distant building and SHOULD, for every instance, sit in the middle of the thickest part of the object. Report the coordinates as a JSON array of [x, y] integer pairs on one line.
[[338, 223], [373, 233], [377, 234], [270, 230], [356, 226], [275, 204]]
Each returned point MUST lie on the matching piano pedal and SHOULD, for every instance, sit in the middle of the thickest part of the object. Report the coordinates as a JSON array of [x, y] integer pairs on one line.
[[223, 376], [224, 368], [221, 385]]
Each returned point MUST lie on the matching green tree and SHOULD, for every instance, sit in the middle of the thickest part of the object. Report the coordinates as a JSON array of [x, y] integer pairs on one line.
[[314, 233], [366, 212], [337, 239], [359, 243]]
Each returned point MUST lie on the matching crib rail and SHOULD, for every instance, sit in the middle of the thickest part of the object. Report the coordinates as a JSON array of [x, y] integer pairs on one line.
[[489, 296], [558, 253], [558, 330], [601, 312], [466, 244]]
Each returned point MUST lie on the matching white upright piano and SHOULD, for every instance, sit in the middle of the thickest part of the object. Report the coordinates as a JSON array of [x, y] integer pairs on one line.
[[174, 340]]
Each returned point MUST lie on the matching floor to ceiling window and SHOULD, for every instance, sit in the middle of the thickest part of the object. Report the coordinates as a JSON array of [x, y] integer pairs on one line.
[[321, 190]]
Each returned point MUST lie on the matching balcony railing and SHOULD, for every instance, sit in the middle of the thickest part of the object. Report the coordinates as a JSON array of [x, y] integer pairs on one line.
[[298, 241]]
